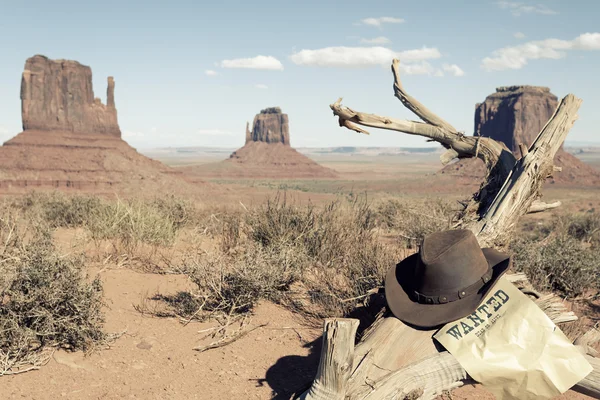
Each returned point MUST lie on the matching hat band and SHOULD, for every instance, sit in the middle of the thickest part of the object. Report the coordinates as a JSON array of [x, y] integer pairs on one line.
[[443, 298]]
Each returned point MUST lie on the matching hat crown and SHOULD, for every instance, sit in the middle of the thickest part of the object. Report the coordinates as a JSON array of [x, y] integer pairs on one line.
[[449, 261]]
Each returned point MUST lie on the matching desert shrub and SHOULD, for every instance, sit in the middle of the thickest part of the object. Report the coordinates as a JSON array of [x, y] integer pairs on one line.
[[345, 257], [153, 222], [228, 285], [132, 222], [584, 227], [58, 209], [71, 212], [46, 299], [180, 212], [561, 255], [329, 255], [413, 220], [130, 230]]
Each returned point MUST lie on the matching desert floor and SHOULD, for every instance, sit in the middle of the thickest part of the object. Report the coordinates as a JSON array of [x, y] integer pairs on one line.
[[154, 357]]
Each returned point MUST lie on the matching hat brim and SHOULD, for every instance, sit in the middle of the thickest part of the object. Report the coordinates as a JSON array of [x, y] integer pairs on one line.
[[434, 315]]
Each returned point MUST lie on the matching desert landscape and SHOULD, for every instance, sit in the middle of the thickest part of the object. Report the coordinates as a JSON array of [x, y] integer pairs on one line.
[[237, 272]]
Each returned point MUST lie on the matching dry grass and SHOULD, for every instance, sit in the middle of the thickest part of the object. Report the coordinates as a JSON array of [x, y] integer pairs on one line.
[[412, 221], [46, 299], [317, 260], [321, 261], [561, 255], [122, 229]]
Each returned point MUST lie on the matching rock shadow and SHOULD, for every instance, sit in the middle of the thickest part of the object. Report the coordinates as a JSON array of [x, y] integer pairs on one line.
[[292, 375]]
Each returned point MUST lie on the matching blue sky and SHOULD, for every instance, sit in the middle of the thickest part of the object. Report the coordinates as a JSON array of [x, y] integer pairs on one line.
[[191, 73]]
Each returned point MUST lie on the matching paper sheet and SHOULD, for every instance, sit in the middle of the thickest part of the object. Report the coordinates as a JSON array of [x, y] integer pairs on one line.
[[513, 349]]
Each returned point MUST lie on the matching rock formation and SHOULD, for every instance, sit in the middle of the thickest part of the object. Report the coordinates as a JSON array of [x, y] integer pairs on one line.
[[266, 154], [515, 115], [72, 141], [58, 95], [270, 126]]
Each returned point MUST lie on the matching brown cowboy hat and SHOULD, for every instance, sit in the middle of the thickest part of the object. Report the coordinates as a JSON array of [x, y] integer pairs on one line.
[[445, 281]]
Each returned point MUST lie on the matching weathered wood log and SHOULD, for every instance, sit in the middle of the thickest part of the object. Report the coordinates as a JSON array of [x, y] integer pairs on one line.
[[524, 182], [539, 206], [389, 345], [392, 359], [335, 365], [442, 372]]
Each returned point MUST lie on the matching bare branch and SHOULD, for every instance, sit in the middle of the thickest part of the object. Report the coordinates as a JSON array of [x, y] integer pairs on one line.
[[509, 190], [347, 115], [434, 128], [415, 106], [524, 182], [539, 206]]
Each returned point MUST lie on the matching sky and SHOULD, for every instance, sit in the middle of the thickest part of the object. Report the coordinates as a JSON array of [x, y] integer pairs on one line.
[[191, 73]]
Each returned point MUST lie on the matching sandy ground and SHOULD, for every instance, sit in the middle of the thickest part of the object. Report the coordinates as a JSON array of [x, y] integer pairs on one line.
[[155, 359]]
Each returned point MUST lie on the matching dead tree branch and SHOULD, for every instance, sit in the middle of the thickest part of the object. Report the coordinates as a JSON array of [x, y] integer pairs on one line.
[[393, 359]]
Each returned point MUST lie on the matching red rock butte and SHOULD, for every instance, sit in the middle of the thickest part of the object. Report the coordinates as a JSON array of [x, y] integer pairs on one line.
[[266, 154], [515, 115], [70, 140]]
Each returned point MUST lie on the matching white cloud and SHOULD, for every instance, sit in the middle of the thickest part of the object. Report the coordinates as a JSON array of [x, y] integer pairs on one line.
[[453, 69], [424, 53], [350, 57], [258, 62], [517, 9], [439, 73], [422, 68], [210, 72], [214, 132], [519, 35], [261, 86], [378, 22], [377, 40], [516, 57], [587, 41]]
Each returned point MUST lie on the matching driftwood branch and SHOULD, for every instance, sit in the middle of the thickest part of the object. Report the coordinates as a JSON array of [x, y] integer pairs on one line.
[[511, 187], [523, 184], [539, 206], [392, 359], [336, 360], [494, 154], [443, 372]]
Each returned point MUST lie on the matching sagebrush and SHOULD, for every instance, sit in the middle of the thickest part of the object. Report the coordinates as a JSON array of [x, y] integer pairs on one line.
[[47, 299]]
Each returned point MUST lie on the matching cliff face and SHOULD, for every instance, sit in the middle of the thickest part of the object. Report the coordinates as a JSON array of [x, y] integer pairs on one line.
[[515, 114], [270, 126], [72, 141], [58, 95]]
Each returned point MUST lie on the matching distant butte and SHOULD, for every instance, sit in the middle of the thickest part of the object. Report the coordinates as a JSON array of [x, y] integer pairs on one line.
[[266, 154], [515, 115], [269, 126], [71, 141], [57, 95]]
